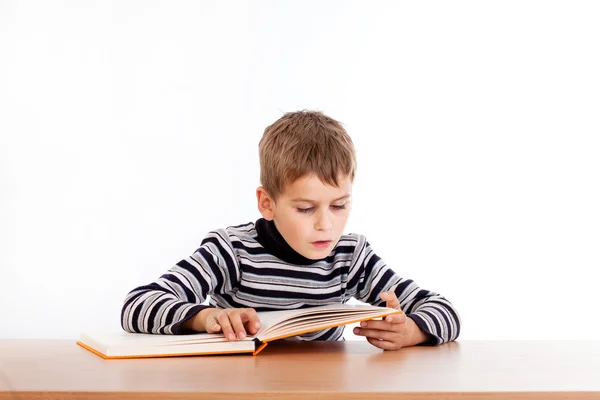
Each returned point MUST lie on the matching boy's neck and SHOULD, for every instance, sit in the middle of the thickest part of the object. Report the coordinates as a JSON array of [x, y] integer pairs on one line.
[[270, 238]]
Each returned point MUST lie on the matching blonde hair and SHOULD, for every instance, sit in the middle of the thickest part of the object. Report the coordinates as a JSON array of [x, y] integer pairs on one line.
[[304, 142]]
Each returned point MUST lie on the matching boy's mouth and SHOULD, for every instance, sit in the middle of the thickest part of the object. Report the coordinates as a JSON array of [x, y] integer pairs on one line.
[[321, 244]]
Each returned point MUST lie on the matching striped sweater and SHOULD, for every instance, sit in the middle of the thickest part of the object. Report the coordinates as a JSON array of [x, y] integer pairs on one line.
[[251, 265]]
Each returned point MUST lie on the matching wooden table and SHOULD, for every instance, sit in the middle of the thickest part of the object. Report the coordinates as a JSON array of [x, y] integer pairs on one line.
[[59, 369]]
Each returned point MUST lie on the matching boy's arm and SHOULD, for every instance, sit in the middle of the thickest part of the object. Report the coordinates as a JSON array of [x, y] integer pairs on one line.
[[165, 305], [435, 316]]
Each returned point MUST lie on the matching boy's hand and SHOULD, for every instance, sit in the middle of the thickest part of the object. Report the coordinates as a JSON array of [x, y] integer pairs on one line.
[[235, 323], [393, 332]]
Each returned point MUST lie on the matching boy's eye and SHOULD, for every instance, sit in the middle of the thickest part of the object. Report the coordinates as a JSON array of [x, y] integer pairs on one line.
[[309, 209]]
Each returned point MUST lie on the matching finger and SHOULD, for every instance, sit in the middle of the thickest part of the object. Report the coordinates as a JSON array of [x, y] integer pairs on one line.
[[396, 319], [375, 334], [223, 319], [235, 318], [251, 320], [383, 344], [391, 300], [383, 325], [211, 325]]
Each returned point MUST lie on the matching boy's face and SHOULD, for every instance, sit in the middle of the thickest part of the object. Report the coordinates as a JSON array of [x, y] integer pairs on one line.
[[309, 214]]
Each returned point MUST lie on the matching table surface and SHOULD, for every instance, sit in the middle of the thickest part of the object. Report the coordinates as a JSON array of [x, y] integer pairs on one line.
[[53, 369]]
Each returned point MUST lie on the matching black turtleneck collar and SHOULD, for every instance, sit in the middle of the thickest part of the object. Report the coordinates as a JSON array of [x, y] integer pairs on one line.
[[270, 238]]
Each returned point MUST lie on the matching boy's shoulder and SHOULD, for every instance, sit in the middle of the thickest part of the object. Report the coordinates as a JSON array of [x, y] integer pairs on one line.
[[232, 235], [244, 232], [355, 240]]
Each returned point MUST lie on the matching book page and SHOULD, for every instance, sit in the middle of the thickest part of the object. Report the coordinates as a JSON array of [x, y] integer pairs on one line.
[[273, 321]]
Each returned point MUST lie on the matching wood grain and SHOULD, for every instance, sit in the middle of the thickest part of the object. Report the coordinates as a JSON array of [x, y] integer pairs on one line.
[[59, 369]]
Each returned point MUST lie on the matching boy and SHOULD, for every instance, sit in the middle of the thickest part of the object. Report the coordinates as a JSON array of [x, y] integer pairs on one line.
[[295, 256]]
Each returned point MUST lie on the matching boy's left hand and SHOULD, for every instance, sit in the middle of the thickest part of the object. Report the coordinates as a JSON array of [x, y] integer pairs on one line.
[[393, 332]]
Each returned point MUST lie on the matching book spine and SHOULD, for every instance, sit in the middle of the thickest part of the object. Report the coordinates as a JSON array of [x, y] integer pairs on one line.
[[259, 346]]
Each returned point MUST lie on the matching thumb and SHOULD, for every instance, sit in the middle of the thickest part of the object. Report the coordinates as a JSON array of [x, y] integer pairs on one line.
[[391, 301]]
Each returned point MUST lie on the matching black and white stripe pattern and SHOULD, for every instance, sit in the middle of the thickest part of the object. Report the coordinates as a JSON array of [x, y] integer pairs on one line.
[[234, 269]]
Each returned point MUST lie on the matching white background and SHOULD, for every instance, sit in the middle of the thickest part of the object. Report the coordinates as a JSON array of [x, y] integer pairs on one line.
[[129, 129]]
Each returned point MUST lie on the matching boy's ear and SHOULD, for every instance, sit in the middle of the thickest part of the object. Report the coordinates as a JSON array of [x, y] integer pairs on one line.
[[265, 204]]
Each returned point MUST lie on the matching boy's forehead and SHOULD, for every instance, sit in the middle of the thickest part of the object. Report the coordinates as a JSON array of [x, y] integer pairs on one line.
[[311, 187]]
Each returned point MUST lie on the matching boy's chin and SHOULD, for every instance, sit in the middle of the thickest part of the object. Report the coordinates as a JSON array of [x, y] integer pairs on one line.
[[317, 254]]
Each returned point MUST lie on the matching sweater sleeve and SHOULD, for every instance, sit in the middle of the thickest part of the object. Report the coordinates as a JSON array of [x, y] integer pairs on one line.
[[431, 312], [164, 305]]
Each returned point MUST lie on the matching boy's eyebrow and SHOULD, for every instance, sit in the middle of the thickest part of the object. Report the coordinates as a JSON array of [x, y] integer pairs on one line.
[[312, 201]]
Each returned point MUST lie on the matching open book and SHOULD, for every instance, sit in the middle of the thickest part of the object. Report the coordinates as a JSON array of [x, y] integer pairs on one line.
[[274, 325]]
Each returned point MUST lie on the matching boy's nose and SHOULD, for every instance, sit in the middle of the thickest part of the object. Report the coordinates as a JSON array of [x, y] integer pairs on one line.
[[324, 222]]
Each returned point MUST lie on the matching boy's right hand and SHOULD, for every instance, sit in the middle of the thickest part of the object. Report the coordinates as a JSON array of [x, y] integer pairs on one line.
[[235, 323]]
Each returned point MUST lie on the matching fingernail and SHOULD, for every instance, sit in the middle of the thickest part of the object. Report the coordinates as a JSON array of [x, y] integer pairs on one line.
[[363, 324], [257, 325], [390, 319], [356, 331], [242, 335], [231, 336]]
